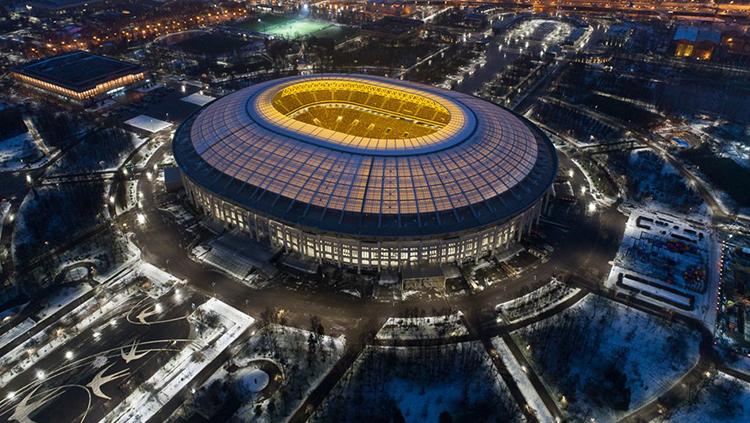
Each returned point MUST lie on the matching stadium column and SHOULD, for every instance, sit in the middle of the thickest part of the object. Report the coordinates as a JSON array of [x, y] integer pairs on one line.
[[477, 248], [380, 256], [319, 249], [497, 240]]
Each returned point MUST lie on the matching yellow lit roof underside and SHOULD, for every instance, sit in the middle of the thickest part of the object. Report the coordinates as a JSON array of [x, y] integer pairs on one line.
[[361, 113]]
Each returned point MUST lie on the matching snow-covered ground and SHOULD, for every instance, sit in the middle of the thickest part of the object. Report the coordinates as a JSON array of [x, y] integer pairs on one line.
[[61, 298], [16, 331], [724, 399], [18, 360], [161, 280], [432, 327], [669, 260], [655, 182], [607, 359], [131, 197], [86, 314], [600, 198], [53, 303], [518, 373], [738, 363], [20, 152], [175, 375], [303, 365], [418, 384], [535, 302]]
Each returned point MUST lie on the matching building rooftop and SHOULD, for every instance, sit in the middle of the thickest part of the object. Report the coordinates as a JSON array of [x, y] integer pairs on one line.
[[481, 165], [78, 71], [695, 34]]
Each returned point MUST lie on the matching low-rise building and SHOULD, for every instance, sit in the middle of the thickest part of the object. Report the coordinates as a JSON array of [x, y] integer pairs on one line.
[[699, 43], [79, 76]]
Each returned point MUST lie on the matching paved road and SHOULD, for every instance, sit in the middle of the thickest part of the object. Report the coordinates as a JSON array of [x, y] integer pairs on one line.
[[585, 247], [589, 245], [95, 349]]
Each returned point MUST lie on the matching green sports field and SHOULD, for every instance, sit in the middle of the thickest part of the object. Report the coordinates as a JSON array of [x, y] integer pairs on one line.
[[285, 26]]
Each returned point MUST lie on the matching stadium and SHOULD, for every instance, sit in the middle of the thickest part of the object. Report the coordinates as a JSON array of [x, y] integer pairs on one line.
[[366, 172], [79, 76]]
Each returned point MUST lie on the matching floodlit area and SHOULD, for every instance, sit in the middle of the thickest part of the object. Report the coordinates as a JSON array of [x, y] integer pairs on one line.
[[285, 27], [227, 211], [669, 260]]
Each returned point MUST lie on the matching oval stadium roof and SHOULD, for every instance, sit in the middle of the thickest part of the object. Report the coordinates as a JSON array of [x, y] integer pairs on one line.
[[366, 156]]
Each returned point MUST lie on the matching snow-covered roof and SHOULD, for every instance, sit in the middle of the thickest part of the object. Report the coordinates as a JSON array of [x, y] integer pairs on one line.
[[198, 99], [148, 123], [695, 34]]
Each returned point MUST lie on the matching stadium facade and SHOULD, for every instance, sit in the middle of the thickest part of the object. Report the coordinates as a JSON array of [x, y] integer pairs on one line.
[[79, 76], [367, 172]]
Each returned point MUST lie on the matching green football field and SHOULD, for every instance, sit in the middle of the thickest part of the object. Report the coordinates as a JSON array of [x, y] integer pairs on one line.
[[286, 27]]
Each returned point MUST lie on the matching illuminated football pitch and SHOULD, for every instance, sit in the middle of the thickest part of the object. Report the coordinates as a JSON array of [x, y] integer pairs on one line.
[[283, 27]]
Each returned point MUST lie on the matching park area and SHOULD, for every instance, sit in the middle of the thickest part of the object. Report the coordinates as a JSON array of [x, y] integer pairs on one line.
[[722, 398], [460, 383], [267, 377], [601, 360]]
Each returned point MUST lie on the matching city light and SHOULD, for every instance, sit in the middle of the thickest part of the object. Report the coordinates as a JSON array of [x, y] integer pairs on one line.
[[553, 163]]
